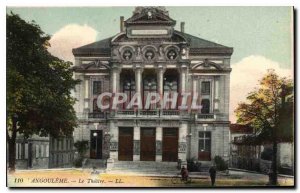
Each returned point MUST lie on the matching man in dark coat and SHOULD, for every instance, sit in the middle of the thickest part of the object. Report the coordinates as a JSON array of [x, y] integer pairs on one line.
[[212, 172]]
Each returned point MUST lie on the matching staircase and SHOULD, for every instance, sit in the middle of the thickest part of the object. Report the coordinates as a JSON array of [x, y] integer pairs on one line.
[[205, 165], [90, 163], [145, 167]]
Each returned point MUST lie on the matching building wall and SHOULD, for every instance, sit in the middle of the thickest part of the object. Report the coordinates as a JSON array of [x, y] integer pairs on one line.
[[286, 154], [32, 153], [219, 140], [218, 125], [83, 133], [61, 152]]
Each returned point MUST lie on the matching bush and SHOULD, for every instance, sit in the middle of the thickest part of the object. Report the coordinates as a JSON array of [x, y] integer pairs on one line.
[[193, 165], [81, 147], [220, 163], [78, 162]]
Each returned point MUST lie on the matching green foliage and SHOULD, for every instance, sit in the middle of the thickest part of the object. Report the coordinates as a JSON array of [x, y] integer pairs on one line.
[[269, 109], [221, 165], [81, 147], [38, 84], [78, 162]]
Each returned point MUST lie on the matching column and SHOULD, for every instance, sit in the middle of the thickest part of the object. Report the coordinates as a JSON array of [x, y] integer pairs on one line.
[[136, 143], [114, 145], [138, 78], [158, 141], [114, 79], [183, 78], [194, 89], [86, 94], [182, 82], [182, 145], [216, 94], [138, 81], [194, 85], [160, 82]]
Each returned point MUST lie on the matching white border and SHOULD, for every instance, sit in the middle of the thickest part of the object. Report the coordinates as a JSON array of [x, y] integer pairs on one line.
[[57, 3]]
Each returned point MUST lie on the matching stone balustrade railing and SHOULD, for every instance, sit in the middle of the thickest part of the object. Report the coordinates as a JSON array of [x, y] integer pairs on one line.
[[145, 113]]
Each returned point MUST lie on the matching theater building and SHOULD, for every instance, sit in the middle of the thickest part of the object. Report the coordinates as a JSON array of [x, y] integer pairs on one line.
[[147, 56]]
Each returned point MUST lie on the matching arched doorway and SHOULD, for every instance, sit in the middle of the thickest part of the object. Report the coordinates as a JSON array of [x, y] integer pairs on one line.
[[171, 85], [149, 86], [127, 82]]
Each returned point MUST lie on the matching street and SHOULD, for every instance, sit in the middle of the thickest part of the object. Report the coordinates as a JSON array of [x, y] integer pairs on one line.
[[90, 178]]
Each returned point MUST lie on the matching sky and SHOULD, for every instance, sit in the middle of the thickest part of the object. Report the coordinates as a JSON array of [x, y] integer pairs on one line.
[[261, 36]]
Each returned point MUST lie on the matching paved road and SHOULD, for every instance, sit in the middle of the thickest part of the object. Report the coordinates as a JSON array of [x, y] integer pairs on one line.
[[89, 178]]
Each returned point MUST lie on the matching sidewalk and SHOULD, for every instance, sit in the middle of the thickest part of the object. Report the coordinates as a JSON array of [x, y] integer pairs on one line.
[[72, 176]]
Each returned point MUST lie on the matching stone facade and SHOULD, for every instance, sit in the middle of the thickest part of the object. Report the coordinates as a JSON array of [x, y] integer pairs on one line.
[[148, 48]]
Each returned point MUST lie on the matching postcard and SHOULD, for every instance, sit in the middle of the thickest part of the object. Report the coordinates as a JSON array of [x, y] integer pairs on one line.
[[198, 97]]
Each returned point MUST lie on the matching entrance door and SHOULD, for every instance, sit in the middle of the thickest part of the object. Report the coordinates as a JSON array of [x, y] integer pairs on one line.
[[204, 151], [125, 143], [148, 144], [170, 144], [96, 144]]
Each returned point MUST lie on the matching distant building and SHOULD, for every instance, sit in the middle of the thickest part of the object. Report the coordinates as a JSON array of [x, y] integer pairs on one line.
[[257, 156], [38, 152], [149, 55], [243, 156]]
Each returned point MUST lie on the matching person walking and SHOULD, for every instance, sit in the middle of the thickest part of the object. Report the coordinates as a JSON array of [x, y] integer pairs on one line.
[[184, 174], [212, 172]]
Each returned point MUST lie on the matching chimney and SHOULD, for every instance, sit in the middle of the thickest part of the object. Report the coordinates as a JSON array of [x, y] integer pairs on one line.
[[122, 23], [182, 27]]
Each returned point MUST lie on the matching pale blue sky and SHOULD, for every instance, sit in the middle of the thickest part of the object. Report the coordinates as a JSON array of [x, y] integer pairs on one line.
[[264, 31]]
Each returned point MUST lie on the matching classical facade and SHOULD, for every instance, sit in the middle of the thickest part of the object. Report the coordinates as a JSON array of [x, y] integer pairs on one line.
[[147, 56]]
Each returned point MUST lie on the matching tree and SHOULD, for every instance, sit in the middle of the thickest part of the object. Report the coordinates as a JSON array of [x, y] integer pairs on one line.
[[38, 86], [269, 110]]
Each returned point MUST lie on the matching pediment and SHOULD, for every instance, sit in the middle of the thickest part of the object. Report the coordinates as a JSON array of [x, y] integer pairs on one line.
[[206, 64], [93, 65], [150, 15]]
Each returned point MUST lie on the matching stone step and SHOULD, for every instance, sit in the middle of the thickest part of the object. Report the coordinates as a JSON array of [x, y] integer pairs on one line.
[[90, 163], [145, 166]]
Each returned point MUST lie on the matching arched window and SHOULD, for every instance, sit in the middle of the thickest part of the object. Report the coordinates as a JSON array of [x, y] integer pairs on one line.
[[205, 106], [149, 86], [171, 85]]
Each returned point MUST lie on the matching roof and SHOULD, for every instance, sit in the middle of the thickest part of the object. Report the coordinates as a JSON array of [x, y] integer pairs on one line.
[[197, 45], [98, 48], [196, 42], [242, 129]]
